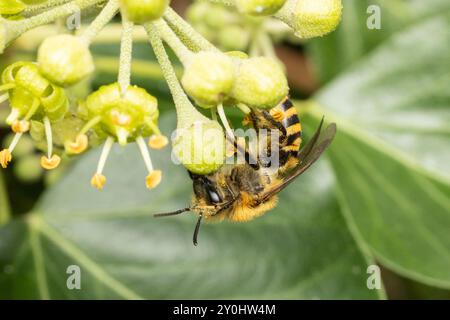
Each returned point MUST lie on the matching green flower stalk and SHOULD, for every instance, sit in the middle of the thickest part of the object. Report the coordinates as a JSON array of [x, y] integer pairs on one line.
[[199, 143]]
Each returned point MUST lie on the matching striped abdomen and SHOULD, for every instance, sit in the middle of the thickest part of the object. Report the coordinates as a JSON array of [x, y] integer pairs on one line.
[[286, 114]]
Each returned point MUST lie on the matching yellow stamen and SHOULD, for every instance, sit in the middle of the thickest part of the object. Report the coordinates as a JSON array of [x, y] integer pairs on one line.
[[158, 141], [153, 179], [50, 163], [78, 146], [20, 126], [5, 158], [98, 181]]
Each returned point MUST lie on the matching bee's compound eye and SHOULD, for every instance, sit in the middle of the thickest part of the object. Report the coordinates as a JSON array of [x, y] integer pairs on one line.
[[213, 196]]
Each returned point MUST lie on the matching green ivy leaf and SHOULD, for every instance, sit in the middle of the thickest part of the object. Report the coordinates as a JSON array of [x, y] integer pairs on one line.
[[352, 40], [391, 156]]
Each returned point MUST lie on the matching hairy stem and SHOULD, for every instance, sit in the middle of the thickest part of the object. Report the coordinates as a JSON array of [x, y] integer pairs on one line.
[[187, 34], [16, 28], [37, 8], [186, 113], [173, 41], [126, 53], [104, 17]]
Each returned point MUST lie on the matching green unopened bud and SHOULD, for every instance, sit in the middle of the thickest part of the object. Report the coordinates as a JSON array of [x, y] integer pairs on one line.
[[259, 7], [208, 78], [9, 7], [197, 12], [28, 169], [219, 16], [141, 11], [233, 38], [200, 147], [260, 83], [314, 18], [65, 59]]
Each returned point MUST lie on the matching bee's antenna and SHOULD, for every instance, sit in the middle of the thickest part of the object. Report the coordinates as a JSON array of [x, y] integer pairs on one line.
[[197, 228], [173, 213]]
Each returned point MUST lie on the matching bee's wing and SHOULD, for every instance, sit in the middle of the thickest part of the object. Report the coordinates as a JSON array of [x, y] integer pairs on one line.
[[308, 155]]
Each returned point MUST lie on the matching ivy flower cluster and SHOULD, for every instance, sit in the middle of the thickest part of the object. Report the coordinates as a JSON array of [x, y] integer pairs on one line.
[[123, 113]]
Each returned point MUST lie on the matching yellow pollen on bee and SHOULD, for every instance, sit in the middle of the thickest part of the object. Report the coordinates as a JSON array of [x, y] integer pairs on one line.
[[277, 114], [120, 119], [78, 146], [153, 179], [5, 158], [50, 163], [98, 181], [20, 126], [158, 141]]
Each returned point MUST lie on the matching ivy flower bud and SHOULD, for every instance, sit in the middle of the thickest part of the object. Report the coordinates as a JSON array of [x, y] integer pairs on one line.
[[233, 38], [200, 147], [260, 83], [65, 59], [259, 7], [141, 11], [123, 116], [208, 78], [314, 18]]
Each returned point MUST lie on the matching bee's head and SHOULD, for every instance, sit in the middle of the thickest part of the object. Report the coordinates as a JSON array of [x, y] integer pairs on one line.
[[208, 191], [212, 196]]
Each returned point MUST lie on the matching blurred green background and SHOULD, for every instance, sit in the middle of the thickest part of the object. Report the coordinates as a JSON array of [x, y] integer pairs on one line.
[[380, 196]]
